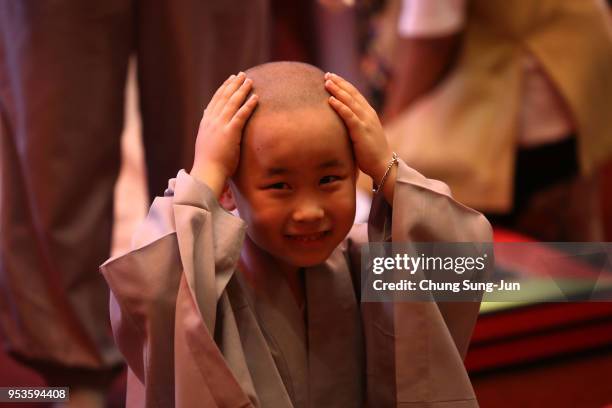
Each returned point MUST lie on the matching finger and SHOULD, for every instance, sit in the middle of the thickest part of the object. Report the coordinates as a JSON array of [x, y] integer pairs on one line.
[[353, 123], [348, 87], [346, 98], [243, 114], [228, 92], [236, 100], [218, 92]]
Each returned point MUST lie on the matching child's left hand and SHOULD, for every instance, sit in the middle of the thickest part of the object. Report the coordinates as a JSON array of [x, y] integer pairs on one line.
[[372, 151]]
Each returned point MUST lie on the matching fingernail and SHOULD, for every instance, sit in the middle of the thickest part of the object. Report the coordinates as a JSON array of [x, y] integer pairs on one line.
[[241, 74]]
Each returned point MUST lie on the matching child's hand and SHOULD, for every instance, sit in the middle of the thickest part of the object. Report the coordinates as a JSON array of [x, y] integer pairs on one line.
[[369, 142], [217, 148]]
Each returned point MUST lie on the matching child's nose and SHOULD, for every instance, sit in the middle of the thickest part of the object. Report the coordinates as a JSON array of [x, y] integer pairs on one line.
[[308, 212]]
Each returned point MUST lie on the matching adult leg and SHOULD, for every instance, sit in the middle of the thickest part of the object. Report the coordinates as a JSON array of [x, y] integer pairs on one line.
[[186, 49], [62, 77]]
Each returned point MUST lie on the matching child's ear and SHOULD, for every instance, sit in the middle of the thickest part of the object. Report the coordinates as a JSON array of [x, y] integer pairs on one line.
[[227, 198]]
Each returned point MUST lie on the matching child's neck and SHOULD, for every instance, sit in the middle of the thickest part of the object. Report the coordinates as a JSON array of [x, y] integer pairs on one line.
[[253, 258]]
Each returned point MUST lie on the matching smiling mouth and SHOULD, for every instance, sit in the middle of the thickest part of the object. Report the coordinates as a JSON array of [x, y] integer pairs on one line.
[[309, 237]]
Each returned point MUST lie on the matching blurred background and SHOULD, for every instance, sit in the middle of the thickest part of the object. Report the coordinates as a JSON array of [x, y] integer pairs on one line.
[[506, 101]]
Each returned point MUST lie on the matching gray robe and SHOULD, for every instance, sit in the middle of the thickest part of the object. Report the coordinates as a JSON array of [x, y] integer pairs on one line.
[[194, 333]]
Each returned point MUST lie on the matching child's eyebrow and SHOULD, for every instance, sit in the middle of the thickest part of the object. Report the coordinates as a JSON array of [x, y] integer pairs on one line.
[[330, 163], [276, 171], [280, 171]]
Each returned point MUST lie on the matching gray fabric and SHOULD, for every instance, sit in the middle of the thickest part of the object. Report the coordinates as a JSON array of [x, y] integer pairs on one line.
[[188, 344]]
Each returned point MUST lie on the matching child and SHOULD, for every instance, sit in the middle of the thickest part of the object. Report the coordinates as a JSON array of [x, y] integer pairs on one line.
[[214, 310]]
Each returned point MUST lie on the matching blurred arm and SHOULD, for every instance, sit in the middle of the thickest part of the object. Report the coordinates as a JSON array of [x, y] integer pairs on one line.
[[429, 33]]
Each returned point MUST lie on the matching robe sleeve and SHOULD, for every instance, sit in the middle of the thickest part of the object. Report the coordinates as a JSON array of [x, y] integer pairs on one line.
[[415, 350], [164, 297]]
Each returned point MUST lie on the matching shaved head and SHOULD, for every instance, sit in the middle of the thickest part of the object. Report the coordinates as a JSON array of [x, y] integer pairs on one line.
[[290, 93], [288, 86]]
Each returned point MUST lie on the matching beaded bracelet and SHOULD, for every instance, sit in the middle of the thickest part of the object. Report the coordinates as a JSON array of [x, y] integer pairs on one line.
[[394, 161]]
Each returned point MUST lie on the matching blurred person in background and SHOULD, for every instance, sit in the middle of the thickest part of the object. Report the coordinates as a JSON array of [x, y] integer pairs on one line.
[[62, 79], [508, 102]]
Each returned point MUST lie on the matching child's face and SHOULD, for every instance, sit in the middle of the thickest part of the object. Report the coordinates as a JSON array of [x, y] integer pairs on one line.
[[295, 184]]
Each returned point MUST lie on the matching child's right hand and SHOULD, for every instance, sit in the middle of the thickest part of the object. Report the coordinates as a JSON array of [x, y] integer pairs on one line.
[[217, 148]]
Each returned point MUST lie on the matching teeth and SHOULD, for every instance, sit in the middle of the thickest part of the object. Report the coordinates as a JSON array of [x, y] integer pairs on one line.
[[310, 237]]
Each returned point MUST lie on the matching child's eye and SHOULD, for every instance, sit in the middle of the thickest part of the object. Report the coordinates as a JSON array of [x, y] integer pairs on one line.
[[329, 179], [277, 186]]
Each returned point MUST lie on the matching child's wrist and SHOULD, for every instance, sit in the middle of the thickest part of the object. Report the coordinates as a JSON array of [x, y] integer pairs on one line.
[[388, 189], [212, 177], [384, 181], [382, 170]]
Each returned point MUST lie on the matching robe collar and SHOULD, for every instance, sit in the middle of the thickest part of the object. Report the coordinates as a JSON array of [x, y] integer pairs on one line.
[[320, 359]]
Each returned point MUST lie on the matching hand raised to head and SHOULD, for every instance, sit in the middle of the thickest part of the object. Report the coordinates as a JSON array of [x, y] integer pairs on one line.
[[217, 148], [372, 151]]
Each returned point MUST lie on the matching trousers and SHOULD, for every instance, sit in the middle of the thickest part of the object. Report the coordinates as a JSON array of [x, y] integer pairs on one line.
[[63, 67]]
